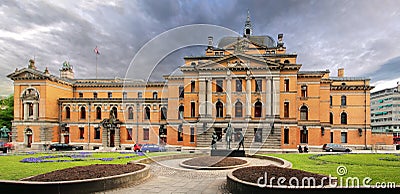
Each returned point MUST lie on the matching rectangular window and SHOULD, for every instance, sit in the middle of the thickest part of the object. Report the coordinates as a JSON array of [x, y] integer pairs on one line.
[[180, 133], [219, 86], [193, 109], [304, 91], [129, 134], [192, 86], [139, 95], [343, 101], [286, 109], [81, 133], [238, 85], [80, 95], [304, 135], [331, 136], [109, 94], [258, 85], [181, 92], [257, 135], [330, 100], [124, 95], [286, 83], [145, 134], [286, 136], [192, 134], [344, 137], [96, 133], [94, 94]]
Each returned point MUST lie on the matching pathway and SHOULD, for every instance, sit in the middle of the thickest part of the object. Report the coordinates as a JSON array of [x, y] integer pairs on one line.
[[168, 177]]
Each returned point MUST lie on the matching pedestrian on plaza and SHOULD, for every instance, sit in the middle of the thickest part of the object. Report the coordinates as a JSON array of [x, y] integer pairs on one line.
[[300, 149]]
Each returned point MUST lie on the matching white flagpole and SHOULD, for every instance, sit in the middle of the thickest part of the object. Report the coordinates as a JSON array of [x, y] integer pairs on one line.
[[96, 64]]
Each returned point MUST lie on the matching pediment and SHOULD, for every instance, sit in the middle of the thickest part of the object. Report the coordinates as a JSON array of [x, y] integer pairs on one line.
[[26, 74], [239, 60]]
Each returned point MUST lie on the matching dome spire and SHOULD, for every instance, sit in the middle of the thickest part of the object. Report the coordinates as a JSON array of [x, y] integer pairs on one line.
[[248, 29]]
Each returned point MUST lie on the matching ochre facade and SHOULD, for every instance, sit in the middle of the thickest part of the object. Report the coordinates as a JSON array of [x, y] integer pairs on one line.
[[250, 82]]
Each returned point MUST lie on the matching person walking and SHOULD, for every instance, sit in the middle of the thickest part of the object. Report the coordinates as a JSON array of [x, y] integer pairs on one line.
[[241, 138], [300, 149]]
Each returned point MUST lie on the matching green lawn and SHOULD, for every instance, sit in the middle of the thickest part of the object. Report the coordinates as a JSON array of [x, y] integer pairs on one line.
[[379, 167], [13, 169]]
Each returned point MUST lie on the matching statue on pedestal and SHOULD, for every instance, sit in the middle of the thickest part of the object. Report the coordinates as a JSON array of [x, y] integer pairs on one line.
[[214, 141], [228, 136]]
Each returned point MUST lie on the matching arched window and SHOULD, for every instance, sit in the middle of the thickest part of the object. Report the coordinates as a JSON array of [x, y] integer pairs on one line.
[[220, 109], [115, 111], [67, 113], [304, 113], [331, 118], [257, 109], [180, 112], [83, 112], [343, 118], [130, 113], [155, 95], [286, 61], [238, 109], [163, 113], [98, 113], [147, 113], [343, 100]]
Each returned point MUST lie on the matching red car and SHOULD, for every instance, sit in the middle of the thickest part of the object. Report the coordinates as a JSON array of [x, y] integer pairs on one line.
[[137, 147]]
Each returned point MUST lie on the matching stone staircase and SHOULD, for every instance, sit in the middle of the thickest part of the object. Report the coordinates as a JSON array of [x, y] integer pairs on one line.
[[269, 140]]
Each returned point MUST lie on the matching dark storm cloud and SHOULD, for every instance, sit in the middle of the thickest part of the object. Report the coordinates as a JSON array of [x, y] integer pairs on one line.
[[361, 36]]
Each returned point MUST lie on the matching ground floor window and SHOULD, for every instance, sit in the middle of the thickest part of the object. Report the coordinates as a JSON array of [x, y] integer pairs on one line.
[[304, 135], [344, 137], [81, 133], [257, 135], [192, 134], [286, 136], [146, 134], [332, 137], [129, 134], [97, 133], [180, 133]]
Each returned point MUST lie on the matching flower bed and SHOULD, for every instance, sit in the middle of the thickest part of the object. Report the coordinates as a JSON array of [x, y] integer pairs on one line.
[[81, 156]]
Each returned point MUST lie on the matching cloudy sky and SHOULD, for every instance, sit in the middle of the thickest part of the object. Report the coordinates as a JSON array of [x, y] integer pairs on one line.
[[361, 36]]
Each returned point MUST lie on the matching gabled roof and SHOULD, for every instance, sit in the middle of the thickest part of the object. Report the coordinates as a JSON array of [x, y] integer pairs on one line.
[[32, 74], [210, 64], [262, 41]]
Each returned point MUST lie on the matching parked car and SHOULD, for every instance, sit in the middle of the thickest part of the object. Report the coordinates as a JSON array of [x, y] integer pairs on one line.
[[153, 148], [64, 147], [137, 147], [332, 147]]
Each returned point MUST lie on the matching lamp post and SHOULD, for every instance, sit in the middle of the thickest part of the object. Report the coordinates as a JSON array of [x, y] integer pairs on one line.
[[137, 122]]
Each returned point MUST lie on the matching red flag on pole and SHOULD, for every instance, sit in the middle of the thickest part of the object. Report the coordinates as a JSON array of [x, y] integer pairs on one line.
[[96, 50]]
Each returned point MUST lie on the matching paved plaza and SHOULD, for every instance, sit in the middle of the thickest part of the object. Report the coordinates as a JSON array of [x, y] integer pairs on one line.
[[168, 177]]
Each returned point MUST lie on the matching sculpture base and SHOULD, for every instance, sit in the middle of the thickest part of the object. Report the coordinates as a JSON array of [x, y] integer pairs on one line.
[[228, 153]]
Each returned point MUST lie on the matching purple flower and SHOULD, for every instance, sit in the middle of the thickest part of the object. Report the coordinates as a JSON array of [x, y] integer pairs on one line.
[[106, 159]]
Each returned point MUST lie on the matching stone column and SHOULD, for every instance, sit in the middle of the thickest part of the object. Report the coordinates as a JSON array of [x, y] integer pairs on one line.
[[104, 137], [268, 98], [35, 111], [248, 97], [209, 97], [117, 137], [202, 98], [26, 111], [228, 97], [276, 100]]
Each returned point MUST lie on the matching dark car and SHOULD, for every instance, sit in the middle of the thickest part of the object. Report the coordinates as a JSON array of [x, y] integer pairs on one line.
[[64, 147], [153, 148], [332, 147]]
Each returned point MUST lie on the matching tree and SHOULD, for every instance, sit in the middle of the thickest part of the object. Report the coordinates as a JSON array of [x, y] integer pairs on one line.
[[7, 111]]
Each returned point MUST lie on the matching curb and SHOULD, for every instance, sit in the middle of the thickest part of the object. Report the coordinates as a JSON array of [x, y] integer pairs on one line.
[[76, 186]]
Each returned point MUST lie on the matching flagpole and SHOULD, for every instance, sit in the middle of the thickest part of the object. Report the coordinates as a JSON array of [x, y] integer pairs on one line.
[[96, 64]]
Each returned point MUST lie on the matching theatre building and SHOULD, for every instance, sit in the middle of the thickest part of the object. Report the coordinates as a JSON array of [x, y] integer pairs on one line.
[[248, 81]]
